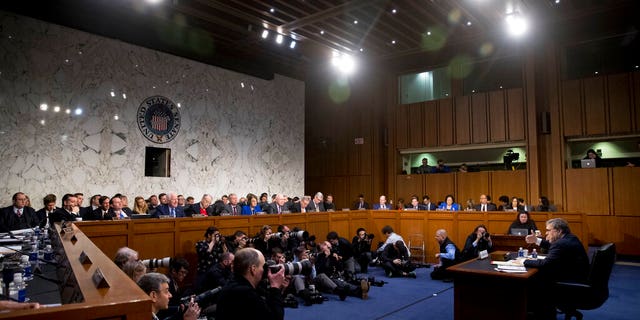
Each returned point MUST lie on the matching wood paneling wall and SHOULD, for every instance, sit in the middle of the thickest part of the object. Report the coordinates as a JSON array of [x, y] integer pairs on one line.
[[603, 105]]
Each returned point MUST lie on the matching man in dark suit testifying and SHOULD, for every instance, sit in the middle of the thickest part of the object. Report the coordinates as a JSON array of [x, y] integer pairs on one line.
[[566, 261], [171, 209], [18, 216]]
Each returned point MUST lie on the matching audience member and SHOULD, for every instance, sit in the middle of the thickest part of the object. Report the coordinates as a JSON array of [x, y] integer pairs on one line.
[[219, 274], [49, 202], [237, 241], [593, 155], [65, 213], [503, 203], [103, 212], [261, 241], [140, 206], [134, 269], [301, 206], [424, 167], [18, 216], [178, 271], [441, 167], [124, 255], [116, 209], [190, 201]]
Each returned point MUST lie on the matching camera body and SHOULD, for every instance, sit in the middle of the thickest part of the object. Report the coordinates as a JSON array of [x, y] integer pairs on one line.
[[370, 236], [155, 263], [486, 235]]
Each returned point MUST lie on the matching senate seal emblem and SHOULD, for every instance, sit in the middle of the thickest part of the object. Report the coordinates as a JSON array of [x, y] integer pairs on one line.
[[158, 119]]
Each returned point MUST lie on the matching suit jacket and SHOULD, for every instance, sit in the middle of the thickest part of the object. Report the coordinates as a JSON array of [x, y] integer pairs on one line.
[[163, 210], [431, 206], [490, 207], [312, 206], [297, 207], [566, 260], [97, 215], [454, 206], [84, 211], [376, 206], [62, 214], [9, 219], [356, 205], [272, 209], [195, 209], [42, 216], [229, 209], [329, 206], [246, 210], [420, 207]]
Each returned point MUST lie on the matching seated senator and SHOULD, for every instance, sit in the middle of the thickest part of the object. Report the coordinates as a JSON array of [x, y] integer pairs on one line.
[[449, 204]]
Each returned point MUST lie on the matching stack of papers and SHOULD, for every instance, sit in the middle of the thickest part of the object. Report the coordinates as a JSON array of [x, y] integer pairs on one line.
[[511, 269], [511, 266]]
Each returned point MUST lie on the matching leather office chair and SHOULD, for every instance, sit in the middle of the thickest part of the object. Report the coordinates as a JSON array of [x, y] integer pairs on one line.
[[595, 292]]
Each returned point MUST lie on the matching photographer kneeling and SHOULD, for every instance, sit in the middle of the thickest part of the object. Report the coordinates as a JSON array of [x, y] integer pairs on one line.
[[362, 249], [241, 300], [395, 261], [478, 240]]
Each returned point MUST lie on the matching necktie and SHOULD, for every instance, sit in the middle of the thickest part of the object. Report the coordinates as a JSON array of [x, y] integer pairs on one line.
[[19, 212], [279, 210], [173, 212], [121, 215], [235, 212], [317, 207], [484, 207]]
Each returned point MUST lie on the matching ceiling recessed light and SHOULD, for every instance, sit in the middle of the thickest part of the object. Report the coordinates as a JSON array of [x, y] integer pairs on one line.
[[468, 23], [56, 109], [279, 39], [272, 10], [44, 106], [361, 49], [265, 34], [428, 33], [115, 117], [355, 21], [394, 11], [78, 111], [321, 31], [393, 42], [292, 44]]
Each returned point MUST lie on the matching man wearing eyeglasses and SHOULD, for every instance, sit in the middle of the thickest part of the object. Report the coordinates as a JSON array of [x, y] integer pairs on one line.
[[566, 260], [156, 285]]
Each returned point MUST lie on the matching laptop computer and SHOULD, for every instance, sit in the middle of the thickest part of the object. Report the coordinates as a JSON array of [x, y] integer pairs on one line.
[[519, 232], [588, 163]]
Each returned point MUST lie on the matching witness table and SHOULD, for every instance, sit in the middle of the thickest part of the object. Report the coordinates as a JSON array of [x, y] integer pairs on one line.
[[482, 292]]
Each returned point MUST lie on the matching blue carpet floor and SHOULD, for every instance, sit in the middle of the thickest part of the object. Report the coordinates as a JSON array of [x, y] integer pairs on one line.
[[423, 298]]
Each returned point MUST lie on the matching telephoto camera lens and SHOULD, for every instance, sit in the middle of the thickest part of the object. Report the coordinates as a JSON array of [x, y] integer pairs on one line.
[[290, 268], [155, 263]]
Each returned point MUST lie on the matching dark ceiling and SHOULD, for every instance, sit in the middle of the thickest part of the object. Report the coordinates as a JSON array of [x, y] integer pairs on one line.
[[227, 33]]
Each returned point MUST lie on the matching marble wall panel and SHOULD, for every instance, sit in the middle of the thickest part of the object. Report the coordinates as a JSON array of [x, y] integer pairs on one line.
[[239, 133]]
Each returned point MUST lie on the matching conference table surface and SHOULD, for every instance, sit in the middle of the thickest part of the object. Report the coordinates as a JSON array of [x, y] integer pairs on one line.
[[481, 290]]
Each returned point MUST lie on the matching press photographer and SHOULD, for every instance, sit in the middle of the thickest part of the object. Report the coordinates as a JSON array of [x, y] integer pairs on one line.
[[209, 251], [241, 300], [477, 241], [343, 252], [395, 261], [362, 249], [329, 275]]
